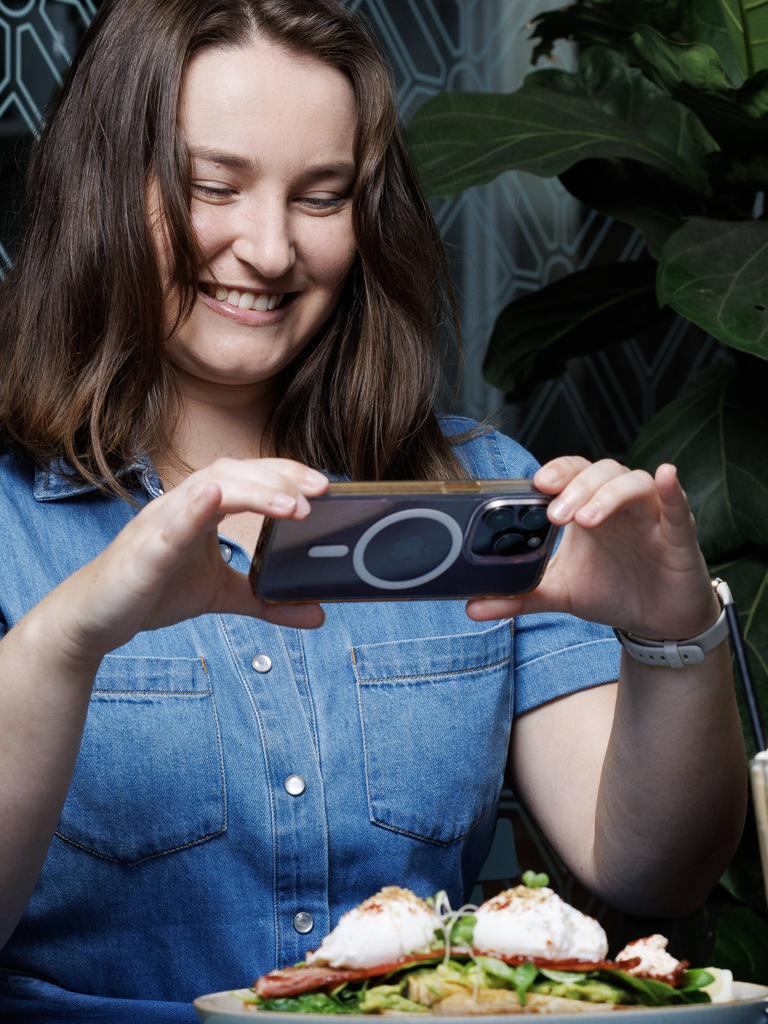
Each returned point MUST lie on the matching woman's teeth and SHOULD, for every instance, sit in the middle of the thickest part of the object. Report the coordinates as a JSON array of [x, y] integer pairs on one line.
[[247, 300]]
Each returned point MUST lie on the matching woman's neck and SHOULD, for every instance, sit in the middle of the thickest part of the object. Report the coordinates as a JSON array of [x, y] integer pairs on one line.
[[214, 423]]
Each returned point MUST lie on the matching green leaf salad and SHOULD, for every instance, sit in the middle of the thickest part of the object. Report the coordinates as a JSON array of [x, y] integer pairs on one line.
[[523, 949]]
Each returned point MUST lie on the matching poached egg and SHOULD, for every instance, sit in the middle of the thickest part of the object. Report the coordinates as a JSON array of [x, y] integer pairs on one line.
[[536, 922], [382, 929]]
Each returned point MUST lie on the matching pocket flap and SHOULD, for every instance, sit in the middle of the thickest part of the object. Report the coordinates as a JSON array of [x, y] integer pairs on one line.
[[120, 674], [433, 656]]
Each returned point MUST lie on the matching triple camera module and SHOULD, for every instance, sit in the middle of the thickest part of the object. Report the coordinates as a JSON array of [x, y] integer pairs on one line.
[[510, 529]]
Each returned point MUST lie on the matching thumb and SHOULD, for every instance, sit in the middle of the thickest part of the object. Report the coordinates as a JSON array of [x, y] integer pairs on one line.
[[237, 598], [539, 600]]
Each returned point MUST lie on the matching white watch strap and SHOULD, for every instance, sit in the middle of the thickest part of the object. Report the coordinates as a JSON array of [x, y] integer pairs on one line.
[[679, 653]]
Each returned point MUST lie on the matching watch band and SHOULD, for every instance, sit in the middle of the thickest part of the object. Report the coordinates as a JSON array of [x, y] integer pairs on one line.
[[680, 653]]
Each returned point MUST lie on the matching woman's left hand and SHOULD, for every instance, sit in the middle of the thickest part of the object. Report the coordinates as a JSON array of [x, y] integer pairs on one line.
[[629, 555]]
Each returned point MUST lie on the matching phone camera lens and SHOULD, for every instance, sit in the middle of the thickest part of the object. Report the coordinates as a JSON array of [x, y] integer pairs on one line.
[[500, 519], [535, 518], [507, 542]]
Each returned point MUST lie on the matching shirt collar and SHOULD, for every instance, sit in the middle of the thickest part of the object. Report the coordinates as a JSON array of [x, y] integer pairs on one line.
[[57, 480]]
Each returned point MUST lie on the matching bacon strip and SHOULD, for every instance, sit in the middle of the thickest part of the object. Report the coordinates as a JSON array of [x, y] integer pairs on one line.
[[292, 981]]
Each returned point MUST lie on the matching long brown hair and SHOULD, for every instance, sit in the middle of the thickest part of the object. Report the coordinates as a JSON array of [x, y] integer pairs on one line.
[[83, 321]]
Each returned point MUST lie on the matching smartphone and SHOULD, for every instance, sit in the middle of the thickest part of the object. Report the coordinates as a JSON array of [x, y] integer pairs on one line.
[[408, 540]]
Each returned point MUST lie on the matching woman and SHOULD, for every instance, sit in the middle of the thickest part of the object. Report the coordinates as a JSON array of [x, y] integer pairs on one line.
[[229, 282]]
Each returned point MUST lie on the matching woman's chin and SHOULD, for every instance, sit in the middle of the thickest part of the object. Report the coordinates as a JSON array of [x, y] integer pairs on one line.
[[203, 375]]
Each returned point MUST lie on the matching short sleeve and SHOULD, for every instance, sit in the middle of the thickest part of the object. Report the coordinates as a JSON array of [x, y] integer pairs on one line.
[[555, 654]]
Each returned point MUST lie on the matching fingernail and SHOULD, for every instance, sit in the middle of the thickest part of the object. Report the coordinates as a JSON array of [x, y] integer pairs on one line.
[[561, 510], [589, 512], [302, 506], [315, 479], [283, 501], [548, 476]]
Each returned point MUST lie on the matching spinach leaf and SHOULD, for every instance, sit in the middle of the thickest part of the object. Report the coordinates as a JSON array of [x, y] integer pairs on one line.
[[654, 993], [494, 968], [312, 1002], [695, 978], [520, 978], [525, 975], [574, 976]]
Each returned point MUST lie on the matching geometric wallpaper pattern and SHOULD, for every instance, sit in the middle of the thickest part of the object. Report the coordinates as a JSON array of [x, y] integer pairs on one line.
[[504, 239]]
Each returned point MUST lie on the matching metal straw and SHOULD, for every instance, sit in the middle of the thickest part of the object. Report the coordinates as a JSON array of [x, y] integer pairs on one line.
[[739, 650]]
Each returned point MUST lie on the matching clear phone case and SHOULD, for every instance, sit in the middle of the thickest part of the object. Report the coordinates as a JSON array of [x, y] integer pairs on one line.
[[407, 540]]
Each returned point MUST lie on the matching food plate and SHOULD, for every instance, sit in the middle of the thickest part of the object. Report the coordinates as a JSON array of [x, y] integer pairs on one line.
[[749, 1007]]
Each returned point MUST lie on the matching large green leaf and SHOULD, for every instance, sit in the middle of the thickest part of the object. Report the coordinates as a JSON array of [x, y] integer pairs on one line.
[[536, 334], [673, 64], [554, 120], [610, 23], [635, 194], [697, 75], [715, 273], [736, 118], [747, 23], [748, 579], [741, 944], [704, 22], [715, 433]]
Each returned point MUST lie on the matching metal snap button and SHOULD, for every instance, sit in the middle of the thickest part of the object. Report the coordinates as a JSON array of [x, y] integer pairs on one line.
[[261, 663], [295, 785], [303, 922], [226, 552]]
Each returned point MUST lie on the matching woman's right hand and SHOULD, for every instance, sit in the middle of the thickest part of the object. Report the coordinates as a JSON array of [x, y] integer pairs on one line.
[[166, 566]]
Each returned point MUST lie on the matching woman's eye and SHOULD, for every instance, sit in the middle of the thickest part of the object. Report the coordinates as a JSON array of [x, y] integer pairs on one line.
[[214, 192], [322, 202]]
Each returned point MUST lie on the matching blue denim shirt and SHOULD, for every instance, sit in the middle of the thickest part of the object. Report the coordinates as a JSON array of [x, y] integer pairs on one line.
[[183, 854]]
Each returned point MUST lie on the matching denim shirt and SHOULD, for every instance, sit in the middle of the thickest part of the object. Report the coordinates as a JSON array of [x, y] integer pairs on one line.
[[240, 785]]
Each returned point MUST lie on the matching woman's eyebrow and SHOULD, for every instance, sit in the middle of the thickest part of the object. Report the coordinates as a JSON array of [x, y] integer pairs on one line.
[[340, 169], [217, 156], [332, 169]]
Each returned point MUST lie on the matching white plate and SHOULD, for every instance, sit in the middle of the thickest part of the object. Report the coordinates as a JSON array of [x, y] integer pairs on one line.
[[749, 1007]]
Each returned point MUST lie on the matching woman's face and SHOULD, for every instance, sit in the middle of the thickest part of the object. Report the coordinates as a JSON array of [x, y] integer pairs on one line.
[[271, 135]]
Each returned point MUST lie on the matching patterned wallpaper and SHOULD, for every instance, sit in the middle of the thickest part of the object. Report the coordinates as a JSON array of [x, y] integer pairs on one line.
[[504, 239]]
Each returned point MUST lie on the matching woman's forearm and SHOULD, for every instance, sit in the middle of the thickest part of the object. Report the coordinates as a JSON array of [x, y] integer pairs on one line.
[[672, 794], [44, 698]]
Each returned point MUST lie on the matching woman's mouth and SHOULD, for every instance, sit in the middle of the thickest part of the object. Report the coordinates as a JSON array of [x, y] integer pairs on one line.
[[255, 308]]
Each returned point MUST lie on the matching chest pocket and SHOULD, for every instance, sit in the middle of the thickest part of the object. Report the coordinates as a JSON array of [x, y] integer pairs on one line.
[[149, 778], [436, 716]]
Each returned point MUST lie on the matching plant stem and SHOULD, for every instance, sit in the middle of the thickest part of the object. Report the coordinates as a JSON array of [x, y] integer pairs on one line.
[[747, 43]]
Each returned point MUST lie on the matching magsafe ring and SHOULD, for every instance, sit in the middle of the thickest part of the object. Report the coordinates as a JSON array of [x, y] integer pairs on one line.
[[358, 555]]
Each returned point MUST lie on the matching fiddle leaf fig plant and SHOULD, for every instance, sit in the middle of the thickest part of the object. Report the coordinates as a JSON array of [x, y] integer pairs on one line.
[[663, 126]]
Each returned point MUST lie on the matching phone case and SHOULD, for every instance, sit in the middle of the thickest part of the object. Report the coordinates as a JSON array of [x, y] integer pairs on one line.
[[407, 540]]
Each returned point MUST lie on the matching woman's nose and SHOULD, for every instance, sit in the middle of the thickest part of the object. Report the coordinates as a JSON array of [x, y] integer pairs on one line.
[[265, 243]]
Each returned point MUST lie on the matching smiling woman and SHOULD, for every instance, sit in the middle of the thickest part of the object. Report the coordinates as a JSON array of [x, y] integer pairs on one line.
[[230, 288], [279, 121]]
